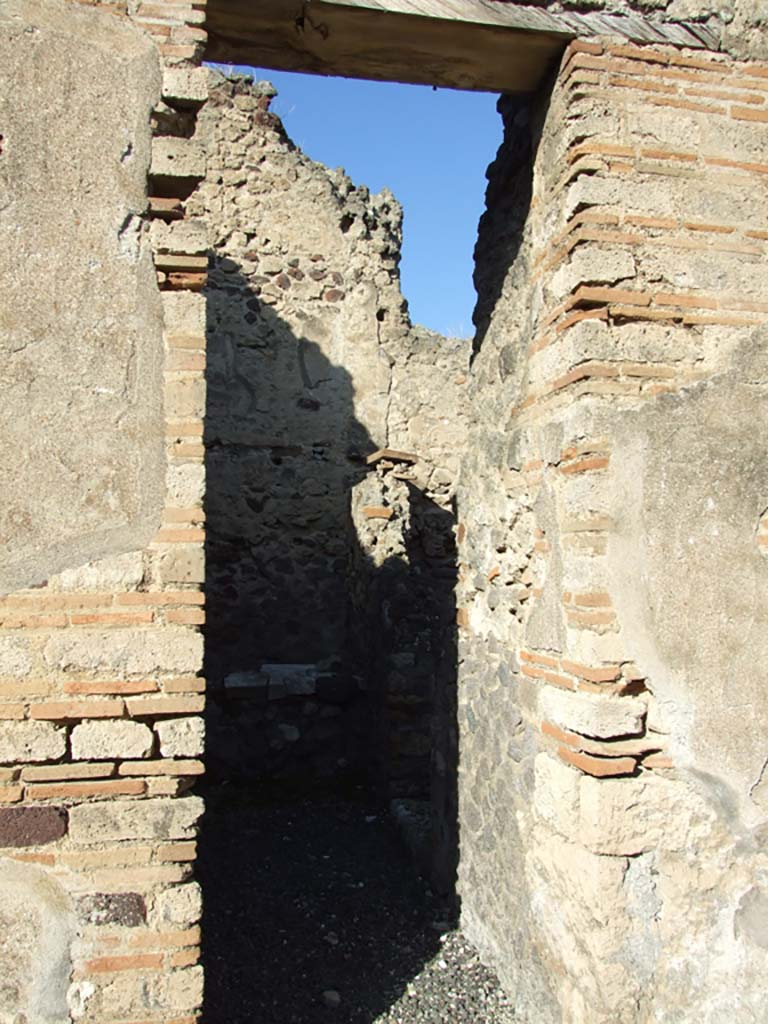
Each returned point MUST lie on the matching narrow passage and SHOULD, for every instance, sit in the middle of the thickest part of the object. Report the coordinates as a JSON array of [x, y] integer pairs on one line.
[[314, 913]]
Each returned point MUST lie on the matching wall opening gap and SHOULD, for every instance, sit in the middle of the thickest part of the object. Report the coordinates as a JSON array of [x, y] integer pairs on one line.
[[332, 433]]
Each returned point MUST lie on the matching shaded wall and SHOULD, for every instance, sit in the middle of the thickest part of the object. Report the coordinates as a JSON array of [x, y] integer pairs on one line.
[[313, 365]]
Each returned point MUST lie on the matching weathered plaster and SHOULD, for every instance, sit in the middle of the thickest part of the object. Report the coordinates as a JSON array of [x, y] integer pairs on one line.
[[81, 458]]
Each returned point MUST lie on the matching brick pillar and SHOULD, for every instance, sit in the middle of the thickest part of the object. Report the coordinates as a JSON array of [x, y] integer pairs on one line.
[[612, 551], [101, 733]]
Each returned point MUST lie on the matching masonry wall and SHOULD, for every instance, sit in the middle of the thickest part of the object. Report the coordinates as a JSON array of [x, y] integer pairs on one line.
[[100, 650], [612, 521], [612, 682], [313, 365]]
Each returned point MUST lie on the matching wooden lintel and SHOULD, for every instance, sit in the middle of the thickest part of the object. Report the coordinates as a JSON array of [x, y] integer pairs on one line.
[[490, 45], [357, 41]]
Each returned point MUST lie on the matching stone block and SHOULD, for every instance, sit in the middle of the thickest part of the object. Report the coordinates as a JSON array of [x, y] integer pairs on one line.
[[178, 906], [185, 988], [290, 680], [120, 820], [31, 741], [111, 740], [15, 659], [181, 737], [593, 714], [120, 572], [186, 485], [177, 158], [181, 564], [185, 399], [185, 86], [126, 651], [556, 794], [126, 909], [624, 817], [183, 313], [186, 237], [31, 826]]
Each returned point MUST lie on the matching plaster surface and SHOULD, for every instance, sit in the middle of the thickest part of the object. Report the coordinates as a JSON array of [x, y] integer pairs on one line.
[[81, 458]]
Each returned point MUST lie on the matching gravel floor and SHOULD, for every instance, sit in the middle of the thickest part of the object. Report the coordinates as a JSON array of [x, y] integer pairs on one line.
[[313, 914]]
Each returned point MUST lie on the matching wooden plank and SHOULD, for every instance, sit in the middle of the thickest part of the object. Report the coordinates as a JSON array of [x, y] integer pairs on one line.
[[363, 40], [490, 45]]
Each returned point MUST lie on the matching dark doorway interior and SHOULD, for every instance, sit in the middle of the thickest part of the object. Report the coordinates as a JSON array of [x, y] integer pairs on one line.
[[330, 844]]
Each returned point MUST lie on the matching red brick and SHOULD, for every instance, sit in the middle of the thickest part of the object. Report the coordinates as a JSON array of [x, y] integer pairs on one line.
[[62, 772], [585, 465], [106, 687], [177, 852], [685, 300], [84, 790], [749, 114], [186, 616], [377, 512], [549, 677], [113, 619], [669, 154], [148, 706], [167, 766], [184, 684], [598, 674], [657, 760], [184, 958], [601, 767], [192, 535], [541, 659], [58, 710], [587, 293], [166, 940], [12, 620], [163, 597], [184, 515], [11, 712], [135, 962], [592, 600], [590, 618]]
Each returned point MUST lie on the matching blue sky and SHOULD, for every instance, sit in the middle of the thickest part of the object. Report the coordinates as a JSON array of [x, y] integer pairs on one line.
[[430, 147]]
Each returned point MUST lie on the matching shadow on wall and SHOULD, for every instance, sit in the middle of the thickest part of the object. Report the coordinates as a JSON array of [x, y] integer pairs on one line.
[[332, 691], [507, 203]]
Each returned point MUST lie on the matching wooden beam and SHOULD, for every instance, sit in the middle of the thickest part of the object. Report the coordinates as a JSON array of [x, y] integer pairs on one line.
[[491, 45], [365, 41]]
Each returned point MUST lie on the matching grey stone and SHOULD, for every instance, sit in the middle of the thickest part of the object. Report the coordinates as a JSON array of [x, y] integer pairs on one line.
[[37, 929], [127, 909], [161, 820], [750, 921]]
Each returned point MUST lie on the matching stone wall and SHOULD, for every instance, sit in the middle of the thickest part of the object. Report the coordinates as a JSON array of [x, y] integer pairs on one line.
[[100, 649], [611, 670], [612, 519], [313, 365]]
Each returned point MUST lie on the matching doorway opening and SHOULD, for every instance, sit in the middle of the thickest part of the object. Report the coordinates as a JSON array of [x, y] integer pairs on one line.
[[333, 433]]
